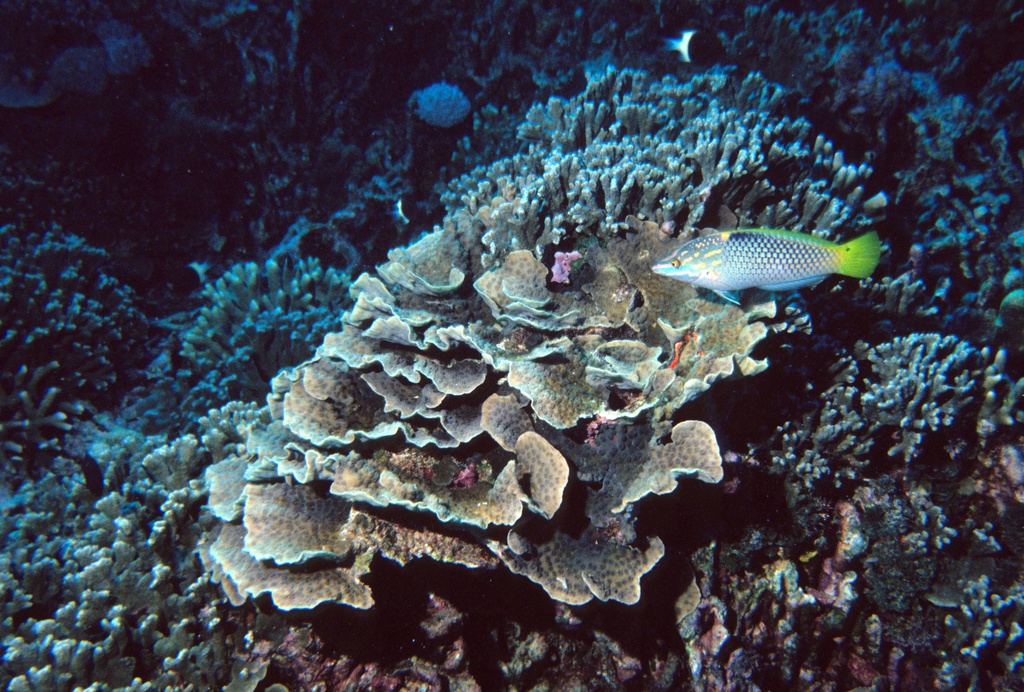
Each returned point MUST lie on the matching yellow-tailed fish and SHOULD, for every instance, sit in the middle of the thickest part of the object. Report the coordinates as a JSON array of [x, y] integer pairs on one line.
[[729, 261]]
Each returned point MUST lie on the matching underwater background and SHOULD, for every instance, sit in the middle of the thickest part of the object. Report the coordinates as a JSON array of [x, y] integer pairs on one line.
[[331, 356]]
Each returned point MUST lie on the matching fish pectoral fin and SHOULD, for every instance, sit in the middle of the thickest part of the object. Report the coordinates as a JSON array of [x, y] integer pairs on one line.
[[793, 285], [732, 296]]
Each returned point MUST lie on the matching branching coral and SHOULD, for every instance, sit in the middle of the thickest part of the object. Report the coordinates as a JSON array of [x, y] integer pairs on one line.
[[915, 384], [984, 630], [472, 408], [922, 544], [67, 329], [257, 320], [918, 382], [886, 581], [897, 84], [134, 609]]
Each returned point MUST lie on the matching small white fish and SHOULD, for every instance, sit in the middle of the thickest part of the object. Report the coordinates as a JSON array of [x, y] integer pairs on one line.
[[697, 46]]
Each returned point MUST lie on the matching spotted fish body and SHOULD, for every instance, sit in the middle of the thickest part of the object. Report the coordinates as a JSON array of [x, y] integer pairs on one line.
[[774, 260]]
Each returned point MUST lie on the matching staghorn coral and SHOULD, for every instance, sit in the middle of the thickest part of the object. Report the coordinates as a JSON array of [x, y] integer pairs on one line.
[[665, 151], [67, 329], [966, 207], [985, 631], [901, 298], [462, 375], [918, 381], [617, 365], [1002, 395]]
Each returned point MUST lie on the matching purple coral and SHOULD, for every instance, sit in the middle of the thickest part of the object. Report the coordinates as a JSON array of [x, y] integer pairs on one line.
[[466, 477], [563, 265]]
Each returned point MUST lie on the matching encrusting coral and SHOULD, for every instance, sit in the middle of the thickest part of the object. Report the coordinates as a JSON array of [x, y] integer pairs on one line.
[[470, 383]]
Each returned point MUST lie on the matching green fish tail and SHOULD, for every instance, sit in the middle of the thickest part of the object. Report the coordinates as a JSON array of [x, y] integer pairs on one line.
[[859, 257]]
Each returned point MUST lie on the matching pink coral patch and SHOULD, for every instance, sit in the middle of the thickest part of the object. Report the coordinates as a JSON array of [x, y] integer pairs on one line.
[[563, 265]]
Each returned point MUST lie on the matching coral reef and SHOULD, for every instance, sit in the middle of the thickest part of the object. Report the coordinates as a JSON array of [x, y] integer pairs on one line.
[[108, 591], [916, 384], [875, 474], [895, 85], [476, 464], [888, 581], [256, 320], [462, 376], [68, 329]]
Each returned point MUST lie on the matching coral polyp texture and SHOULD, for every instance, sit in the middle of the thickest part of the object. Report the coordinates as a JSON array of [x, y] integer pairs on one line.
[[526, 418]]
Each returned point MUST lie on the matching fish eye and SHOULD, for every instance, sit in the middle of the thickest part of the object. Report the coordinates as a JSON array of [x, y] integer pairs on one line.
[[676, 263]]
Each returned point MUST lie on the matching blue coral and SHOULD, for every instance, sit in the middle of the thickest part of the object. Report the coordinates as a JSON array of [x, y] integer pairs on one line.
[[441, 104]]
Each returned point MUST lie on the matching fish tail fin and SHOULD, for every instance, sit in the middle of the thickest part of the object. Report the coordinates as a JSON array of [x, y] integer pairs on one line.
[[859, 257]]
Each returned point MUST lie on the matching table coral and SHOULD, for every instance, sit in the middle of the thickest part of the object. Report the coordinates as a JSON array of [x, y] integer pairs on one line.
[[290, 525], [575, 570]]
